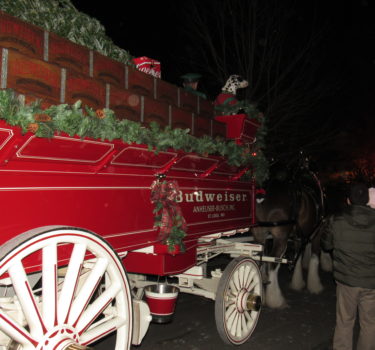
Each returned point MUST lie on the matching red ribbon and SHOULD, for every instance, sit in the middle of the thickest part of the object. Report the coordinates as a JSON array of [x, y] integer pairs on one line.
[[166, 192]]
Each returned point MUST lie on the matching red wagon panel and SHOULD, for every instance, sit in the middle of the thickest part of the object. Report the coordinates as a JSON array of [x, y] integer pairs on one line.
[[104, 187]]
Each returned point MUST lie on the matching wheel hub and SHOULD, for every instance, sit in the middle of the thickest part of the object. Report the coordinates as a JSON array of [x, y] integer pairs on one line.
[[253, 302], [61, 338], [247, 301]]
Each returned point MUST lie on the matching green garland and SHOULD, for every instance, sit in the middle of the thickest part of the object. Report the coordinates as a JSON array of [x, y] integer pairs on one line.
[[62, 18], [102, 124]]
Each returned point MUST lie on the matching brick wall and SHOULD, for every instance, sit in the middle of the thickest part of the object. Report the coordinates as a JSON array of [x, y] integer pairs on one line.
[[42, 65]]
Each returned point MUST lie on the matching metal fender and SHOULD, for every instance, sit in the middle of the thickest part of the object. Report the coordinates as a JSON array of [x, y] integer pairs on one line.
[[141, 319]]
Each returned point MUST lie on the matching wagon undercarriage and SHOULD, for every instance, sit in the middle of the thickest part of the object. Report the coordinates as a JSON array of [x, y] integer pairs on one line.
[[236, 289]]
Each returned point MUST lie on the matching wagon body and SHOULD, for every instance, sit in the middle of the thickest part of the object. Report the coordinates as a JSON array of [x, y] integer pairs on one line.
[[104, 187]]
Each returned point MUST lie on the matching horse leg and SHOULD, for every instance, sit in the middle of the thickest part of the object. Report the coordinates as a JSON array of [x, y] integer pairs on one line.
[[301, 250], [274, 296], [306, 256], [326, 261], [314, 284], [297, 282]]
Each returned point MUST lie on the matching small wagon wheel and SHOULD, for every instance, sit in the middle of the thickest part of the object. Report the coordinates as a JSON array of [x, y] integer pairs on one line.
[[66, 289], [238, 301]]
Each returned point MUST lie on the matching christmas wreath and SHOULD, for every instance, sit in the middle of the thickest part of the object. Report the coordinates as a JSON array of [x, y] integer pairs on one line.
[[168, 216]]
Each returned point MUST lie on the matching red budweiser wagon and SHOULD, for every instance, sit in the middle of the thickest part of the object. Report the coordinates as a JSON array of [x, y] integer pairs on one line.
[[80, 252]]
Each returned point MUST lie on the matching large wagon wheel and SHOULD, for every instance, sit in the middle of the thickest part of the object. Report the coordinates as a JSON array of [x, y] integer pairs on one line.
[[238, 301], [80, 294]]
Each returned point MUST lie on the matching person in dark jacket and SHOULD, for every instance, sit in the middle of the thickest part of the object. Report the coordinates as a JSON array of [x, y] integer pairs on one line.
[[351, 237], [190, 83]]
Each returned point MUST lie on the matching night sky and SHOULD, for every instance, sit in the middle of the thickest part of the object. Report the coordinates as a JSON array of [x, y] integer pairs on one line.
[[149, 29], [156, 30]]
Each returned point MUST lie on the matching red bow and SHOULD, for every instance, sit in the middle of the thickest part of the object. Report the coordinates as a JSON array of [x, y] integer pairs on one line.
[[164, 196]]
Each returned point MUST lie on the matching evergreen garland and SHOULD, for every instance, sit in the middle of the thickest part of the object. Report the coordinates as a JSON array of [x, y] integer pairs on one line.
[[102, 124], [62, 18]]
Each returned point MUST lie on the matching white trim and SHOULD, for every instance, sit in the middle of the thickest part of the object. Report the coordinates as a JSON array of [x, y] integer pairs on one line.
[[110, 147], [213, 161], [143, 165], [63, 188], [10, 135]]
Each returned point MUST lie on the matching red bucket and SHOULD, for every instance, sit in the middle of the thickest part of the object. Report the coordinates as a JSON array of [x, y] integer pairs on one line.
[[161, 299]]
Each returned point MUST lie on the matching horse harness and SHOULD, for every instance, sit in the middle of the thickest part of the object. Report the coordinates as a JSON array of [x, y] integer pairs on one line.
[[296, 196]]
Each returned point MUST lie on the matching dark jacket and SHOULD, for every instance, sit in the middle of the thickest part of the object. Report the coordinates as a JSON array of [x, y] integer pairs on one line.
[[351, 236]]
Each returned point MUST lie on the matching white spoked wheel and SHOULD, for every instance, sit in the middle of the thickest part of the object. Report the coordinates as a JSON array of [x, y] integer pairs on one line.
[[62, 288], [238, 301]]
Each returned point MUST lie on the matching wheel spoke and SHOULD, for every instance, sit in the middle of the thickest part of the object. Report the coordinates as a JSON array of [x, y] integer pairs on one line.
[[96, 308], [95, 333], [26, 299], [15, 331], [236, 279], [243, 271], [251, 286], [244, 326], [230, 310], [248, 277], [87, 290], [230, 301], [240, 277], [71, 281], [231, 320], [238, 331], [250, 280], [233, 288], [49, 285], [248, 316]]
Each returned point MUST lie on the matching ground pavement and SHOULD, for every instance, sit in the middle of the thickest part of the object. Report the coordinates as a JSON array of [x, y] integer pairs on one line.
[[307, 324]]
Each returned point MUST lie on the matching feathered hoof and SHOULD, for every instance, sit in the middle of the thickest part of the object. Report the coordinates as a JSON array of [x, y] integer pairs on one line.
[[297, 286], [277, 304], [274, 299], [315, 289]]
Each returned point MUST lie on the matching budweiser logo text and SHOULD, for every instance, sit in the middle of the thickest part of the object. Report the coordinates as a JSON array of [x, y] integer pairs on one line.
[[200, 196]]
